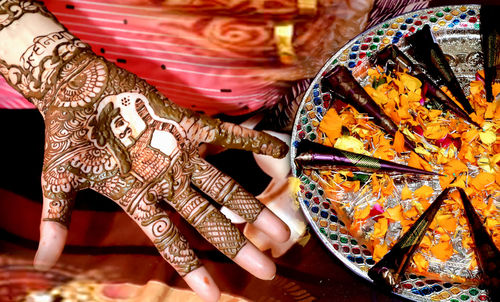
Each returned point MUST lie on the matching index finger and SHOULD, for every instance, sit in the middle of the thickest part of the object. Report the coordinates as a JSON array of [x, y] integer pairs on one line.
[[228, 135]]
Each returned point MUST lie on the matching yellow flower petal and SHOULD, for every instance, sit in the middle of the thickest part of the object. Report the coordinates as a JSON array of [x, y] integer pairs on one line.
[[350, 143], [488, 137]]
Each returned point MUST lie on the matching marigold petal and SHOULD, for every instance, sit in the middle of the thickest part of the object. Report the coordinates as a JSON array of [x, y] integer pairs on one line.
[[411, 213], [455, 166], [488, 137], [416, 161], [379, 251], [395, 213], [361, 214], [424, 192], [443, 250], [406, 193], [426, 242], [380, 228], [399, 142], [410, 83], [482, 180], [350, 143], [447, 222], [422, 265], [331, 125]]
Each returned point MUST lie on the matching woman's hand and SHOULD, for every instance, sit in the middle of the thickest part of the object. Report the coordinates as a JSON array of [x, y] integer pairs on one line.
[[112, 132]]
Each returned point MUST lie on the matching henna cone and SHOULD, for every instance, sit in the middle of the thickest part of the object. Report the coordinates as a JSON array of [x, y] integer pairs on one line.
[[341, 82], [392, 53], [316, 156], [487, 253], [490, 40], [389, 269], [428, 52]]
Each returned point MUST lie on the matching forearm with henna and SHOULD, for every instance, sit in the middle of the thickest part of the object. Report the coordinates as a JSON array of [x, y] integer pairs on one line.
[[110, 131]]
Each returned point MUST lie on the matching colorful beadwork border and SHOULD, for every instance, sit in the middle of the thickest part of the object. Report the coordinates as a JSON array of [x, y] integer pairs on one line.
[[323, 219]]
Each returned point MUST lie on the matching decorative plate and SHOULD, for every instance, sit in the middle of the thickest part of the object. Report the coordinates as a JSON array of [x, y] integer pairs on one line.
[[456, 29]]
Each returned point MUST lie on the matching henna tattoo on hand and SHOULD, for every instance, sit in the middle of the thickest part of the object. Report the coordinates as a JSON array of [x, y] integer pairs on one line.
[[110, 131], [224, 190]]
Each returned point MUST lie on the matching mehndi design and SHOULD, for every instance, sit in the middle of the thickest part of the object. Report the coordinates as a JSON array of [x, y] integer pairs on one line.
[[112, 132]]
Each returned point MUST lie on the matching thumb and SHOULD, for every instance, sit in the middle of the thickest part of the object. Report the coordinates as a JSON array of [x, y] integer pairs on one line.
[[56, 212], [52, 239]]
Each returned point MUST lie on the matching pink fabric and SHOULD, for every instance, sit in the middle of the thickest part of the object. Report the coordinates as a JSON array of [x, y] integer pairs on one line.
[[173, 52]]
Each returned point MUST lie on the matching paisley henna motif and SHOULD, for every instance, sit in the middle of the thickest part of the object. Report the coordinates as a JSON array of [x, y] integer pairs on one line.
[[112, 132], [172, 245]]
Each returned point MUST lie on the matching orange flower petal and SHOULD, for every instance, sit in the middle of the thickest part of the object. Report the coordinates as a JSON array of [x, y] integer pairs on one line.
[[426, 242], [436, 131], [380, 251], [399, 142], [380, 228], [424, 192], [482, 180], [447, 222], [443, 250], [395, 213], [406, 193], [362, 214], [420, 262], [416, 161], [455, 167], [411, 213], [331, 125]]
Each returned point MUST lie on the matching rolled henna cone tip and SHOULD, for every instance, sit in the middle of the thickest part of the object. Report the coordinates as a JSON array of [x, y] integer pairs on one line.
[[490, 41], [340, 81], [389, 269], [393, 53], [487, 252], [428, 52], [314, 155]]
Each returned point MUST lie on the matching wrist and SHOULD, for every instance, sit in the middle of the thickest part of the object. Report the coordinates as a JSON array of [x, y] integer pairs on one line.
[[34, 47]]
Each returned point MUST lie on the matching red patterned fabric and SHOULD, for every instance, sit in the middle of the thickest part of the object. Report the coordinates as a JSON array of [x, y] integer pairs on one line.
[[222, 62]]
